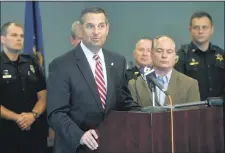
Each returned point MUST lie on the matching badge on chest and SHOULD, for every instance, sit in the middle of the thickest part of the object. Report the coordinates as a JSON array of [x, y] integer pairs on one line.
[[31, 69], [6, 75]]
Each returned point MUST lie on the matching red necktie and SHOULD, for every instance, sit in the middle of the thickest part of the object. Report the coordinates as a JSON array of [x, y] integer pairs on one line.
[[100, 81]]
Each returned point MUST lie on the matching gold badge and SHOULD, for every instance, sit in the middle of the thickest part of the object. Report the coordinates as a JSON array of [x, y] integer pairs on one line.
[[219, 57], [32, 68], [194, 62]]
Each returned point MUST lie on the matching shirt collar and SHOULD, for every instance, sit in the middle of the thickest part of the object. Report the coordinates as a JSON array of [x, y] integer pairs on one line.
[[89, 54], [168, 75], [194, 48], [5, 58]]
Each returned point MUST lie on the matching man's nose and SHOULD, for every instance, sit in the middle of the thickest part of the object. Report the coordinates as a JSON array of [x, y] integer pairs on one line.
[[96, 31], [164, 55]]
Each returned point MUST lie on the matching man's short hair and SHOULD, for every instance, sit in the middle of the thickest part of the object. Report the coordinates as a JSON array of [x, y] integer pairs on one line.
[[74, 29], [4, 28], [92, 10], [143, 38], [154, 44], [201, 14]]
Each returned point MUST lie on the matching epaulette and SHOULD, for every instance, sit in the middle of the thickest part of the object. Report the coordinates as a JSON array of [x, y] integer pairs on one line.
[[26, 56], [31, 57], [217, 48]]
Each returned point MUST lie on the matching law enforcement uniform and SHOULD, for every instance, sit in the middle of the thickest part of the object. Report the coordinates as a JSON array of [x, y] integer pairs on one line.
[[206, 67], [132, 73], [19, 83]]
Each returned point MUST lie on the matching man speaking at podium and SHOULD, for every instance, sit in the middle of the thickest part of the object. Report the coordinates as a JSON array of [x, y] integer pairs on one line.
[[181, 88], [84, 85]]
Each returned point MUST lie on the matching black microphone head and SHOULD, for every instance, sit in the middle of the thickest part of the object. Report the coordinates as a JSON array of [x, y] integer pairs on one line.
[[151, 78]]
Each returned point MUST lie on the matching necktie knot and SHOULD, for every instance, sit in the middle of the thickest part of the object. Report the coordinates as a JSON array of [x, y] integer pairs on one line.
[[162, 79], [96, 57]]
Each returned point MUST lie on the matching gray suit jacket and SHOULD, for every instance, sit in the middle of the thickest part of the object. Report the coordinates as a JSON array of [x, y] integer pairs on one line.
[[73, 103], [181, 88]]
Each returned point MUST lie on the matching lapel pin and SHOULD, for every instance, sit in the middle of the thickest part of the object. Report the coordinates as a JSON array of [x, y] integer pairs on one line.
[[112, 64]]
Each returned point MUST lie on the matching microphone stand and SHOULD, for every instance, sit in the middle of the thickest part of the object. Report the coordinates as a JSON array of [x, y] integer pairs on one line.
[[152, 87], [209, 102]]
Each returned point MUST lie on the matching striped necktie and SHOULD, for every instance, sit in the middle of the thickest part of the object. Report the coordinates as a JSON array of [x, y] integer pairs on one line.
[[100, 81]]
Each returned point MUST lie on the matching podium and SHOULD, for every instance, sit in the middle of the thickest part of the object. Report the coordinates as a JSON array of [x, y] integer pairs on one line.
[[197, 130]]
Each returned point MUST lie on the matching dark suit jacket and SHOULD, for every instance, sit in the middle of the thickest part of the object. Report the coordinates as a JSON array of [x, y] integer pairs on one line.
[[181, 88], [73, 102]]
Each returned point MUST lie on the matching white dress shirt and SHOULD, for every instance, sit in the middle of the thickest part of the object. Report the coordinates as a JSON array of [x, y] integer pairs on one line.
[[92, 62], [160, 95]]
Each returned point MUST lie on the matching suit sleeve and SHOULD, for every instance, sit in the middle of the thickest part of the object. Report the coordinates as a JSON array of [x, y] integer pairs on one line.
[[58, 85], [125, 100], [193, 92]]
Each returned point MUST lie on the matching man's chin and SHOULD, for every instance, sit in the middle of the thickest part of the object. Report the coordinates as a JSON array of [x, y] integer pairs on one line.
[[15, 50], [201, 42], [97, 45]]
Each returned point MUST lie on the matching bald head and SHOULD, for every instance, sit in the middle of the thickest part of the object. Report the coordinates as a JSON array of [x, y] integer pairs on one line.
[[142, 51]]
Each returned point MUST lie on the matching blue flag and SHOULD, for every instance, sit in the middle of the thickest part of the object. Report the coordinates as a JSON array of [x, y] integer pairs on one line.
[[33, 41]]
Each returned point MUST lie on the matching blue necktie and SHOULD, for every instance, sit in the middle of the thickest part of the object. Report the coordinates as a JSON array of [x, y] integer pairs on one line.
[[162, 80]]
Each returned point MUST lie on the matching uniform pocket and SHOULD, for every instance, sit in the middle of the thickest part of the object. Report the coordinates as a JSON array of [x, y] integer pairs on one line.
[[32, 78], [220, 64]]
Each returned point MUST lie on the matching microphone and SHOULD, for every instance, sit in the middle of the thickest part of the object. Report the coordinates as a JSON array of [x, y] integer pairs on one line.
[[210, 102], [151, 78]]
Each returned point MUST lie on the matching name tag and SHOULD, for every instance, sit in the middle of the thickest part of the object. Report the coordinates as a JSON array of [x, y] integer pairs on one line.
[[6, 76]]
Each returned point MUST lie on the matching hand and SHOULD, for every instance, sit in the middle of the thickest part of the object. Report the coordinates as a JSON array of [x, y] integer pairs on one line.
[[51, 137], [25, 121], [89, 139], [20, 120]]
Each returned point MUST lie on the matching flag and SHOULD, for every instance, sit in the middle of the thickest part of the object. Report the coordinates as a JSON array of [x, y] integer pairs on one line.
[[33, 41]]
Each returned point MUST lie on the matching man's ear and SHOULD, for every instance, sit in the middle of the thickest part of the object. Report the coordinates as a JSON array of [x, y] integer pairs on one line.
[[2, 39], [79, 31], [212, 29], [108, 25], [71, 40], [189, 28]]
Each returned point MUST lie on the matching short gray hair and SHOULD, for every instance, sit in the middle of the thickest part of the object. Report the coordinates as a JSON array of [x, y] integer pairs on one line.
[[75, 29], [154, 44]]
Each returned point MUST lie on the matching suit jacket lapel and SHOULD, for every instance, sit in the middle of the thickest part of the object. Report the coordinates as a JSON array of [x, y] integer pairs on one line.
[[144, 90], [85, 69], [110, 84], [172, 89]]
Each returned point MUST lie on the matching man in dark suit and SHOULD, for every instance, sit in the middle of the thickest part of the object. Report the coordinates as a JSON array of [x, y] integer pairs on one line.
[[84, 85]]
